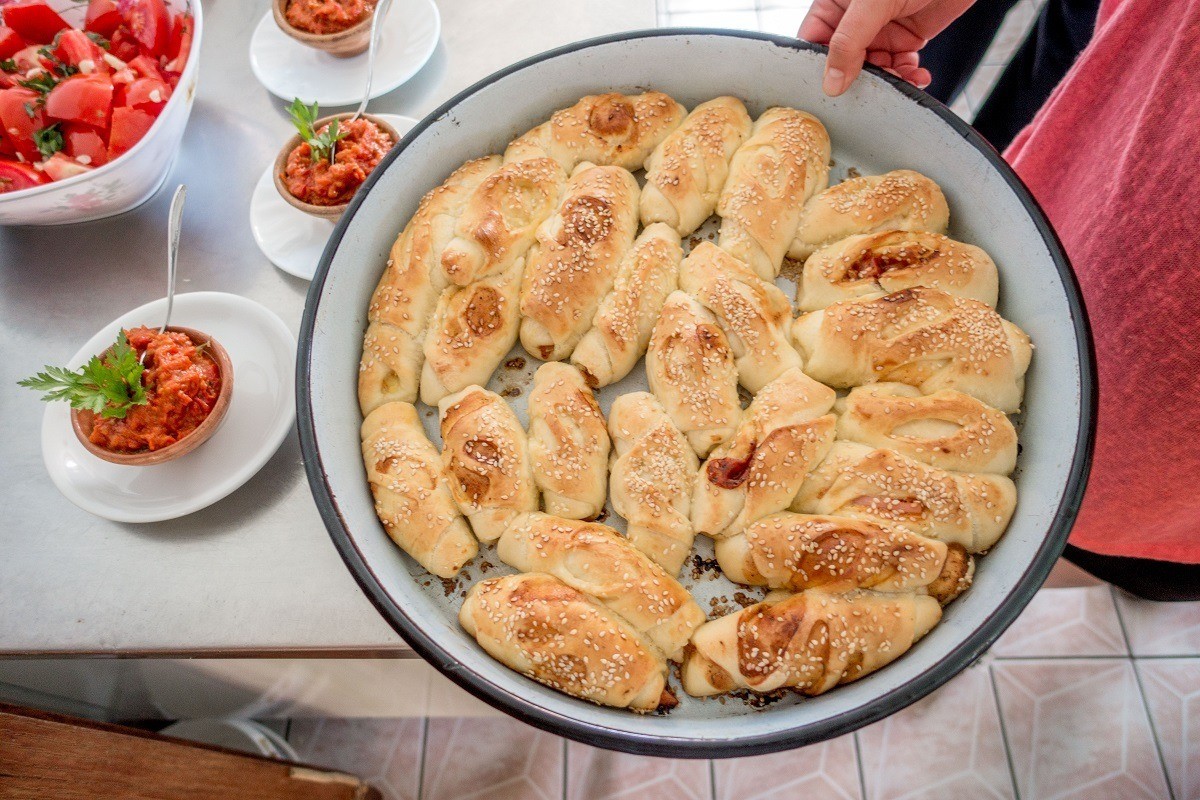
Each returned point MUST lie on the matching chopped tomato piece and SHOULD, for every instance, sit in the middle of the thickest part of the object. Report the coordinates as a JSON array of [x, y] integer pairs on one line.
[[60, 166], [82, 98], [84, 144], [150, 24], [148, 94], [102, 17], [75, 48], [181, 43], [129, 125], [122, 44], [10, 42], [15, 176], [145, 67], [19, 124], [27, 58], [34, 20]]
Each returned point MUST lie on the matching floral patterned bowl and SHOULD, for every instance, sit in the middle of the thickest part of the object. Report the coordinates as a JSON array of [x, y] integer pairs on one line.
[[125, 182]]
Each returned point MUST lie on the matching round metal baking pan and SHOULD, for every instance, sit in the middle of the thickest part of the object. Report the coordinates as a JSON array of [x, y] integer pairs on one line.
[[882, 123]]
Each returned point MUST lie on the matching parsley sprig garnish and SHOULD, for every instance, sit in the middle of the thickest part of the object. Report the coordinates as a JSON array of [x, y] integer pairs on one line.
[[323, 144], [107, 385]]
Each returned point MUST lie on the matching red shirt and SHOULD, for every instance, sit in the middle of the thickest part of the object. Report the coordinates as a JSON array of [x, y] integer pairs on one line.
[[1114, 159]]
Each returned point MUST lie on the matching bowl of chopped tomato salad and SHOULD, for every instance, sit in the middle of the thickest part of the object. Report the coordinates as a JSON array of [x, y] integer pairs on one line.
[[94, 99], [184, 387]]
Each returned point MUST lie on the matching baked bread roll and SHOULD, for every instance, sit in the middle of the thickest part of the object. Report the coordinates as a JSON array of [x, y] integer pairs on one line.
[[412, 497], [650, 480], [838, 554], [881, 485], [607, 129], [783, 163], [486, 458], [500, 219], [540, 627], [685, 174], [568, 443], [900, 200], [809, 642], [754, 314], [404, 299], [947, 429], [625, 318], [895, 260], [473, 328], [573, 262], [785, 432], [920, 336], [690, 368], [598, 561]]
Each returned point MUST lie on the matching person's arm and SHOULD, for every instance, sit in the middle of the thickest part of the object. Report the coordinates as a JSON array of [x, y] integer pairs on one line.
[[887, 33]]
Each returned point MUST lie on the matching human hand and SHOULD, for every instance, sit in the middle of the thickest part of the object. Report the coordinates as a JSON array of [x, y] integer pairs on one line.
[[887, 33]]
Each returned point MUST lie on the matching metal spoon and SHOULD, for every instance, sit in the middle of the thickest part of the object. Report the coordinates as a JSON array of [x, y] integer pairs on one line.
[[174, 224], [381, 11]]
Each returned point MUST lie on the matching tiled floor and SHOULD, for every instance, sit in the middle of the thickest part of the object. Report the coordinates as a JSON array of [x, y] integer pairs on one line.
[[1092, 694]]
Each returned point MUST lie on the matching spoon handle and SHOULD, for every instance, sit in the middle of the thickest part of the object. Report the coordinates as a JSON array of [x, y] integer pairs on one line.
[[174, 225], [381, 11]]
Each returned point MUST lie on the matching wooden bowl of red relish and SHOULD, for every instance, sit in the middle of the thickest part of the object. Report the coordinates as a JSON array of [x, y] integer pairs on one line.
[[341, 28], [188, 379], [325, 190]]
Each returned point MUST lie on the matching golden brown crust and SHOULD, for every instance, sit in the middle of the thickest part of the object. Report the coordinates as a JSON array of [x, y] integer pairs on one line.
[[920, 336], [685, 174], [754, 314], [691, 370], [625, 318], [785, 432], [500, 219], [955, 578], [893, 260], [471, 332], [599, 562], [881, 485], [403, 301], [839, 554], [412, 497], [948, 429], [573, 263], [809, 642], [650, 481], [606, 129], [486, 458], [783, 163], [537, 625], [568, 443], [899, 200]]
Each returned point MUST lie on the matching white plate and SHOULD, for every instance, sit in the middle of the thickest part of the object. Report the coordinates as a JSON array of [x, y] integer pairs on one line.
[[261, 413], [289, 69], [291, 239]]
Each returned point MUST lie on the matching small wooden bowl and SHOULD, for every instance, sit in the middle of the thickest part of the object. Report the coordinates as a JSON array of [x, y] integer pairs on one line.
[[343, 44], [331, 213], [83, 421]]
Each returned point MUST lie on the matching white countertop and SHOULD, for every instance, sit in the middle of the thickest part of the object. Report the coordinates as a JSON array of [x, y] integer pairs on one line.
[[255, 573]]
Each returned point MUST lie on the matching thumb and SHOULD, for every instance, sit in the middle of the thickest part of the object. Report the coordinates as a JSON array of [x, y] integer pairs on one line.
[[858, 27]]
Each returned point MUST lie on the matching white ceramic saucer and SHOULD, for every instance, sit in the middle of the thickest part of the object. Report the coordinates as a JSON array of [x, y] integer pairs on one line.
[[261, 413], [289, 69], [291, 239]]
